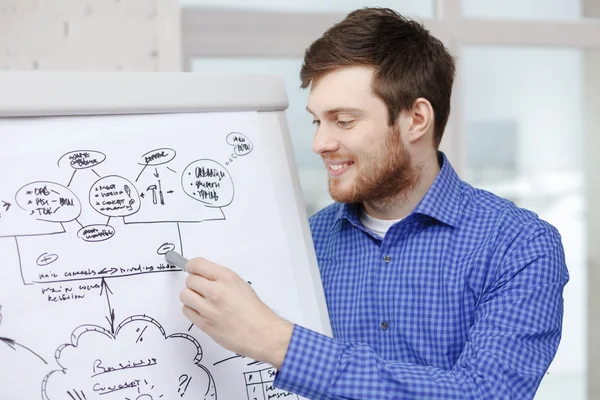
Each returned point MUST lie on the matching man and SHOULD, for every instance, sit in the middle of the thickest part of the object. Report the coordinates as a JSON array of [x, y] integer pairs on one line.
[[435, 289]]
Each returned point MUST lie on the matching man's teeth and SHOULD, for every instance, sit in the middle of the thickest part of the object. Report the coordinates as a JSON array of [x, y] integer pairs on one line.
[[338, 166]]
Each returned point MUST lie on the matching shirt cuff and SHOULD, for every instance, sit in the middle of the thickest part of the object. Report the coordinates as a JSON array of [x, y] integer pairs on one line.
[[310, 364]]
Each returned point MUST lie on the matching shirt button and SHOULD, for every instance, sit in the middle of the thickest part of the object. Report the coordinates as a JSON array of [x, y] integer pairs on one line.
[[384, 325], [387, 258]]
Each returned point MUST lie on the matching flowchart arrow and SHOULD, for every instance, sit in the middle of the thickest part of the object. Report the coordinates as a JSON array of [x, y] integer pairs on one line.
[[111, 312], [110, 271]]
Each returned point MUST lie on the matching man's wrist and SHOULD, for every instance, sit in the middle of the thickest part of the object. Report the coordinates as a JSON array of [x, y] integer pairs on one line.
[[278, 342]]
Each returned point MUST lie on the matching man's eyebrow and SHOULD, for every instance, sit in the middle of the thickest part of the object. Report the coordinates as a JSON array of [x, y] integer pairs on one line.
[[339, 110]]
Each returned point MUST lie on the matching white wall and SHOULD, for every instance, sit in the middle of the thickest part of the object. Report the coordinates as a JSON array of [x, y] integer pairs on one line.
[[100, 35], [421, 8]]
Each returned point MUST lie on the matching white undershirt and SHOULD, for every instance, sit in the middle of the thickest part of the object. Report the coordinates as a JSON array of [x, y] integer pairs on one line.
[[378, 226]]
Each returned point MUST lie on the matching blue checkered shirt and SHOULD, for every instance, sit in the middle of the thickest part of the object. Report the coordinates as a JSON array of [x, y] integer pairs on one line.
[[462, 299]]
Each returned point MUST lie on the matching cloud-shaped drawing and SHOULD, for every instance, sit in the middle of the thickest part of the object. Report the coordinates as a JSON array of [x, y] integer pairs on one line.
[[138, 362]]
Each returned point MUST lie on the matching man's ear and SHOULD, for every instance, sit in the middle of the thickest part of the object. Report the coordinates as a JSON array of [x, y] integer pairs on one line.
[[422, 118]]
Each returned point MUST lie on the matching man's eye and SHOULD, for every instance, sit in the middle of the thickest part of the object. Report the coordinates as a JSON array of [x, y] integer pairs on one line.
[[344, 124]]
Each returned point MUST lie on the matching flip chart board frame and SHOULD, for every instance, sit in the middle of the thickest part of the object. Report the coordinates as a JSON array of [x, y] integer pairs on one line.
[[45, 94]]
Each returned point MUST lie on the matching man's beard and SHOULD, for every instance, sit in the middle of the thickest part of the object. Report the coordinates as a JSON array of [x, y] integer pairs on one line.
[[383, 177]]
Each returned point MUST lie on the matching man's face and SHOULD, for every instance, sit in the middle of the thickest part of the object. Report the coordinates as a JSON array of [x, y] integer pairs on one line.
[[365, 157]]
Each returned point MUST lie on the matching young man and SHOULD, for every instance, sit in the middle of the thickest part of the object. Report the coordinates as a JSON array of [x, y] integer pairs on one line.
[[435, 289]]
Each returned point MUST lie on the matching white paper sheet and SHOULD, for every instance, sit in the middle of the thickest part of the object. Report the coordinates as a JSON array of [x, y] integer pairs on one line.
[[88, 208]]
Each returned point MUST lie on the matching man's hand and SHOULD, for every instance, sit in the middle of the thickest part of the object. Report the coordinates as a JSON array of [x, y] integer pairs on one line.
[[224, 306]]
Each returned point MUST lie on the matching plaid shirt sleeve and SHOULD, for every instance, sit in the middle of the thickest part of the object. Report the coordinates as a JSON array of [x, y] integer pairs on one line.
[[515, 335]]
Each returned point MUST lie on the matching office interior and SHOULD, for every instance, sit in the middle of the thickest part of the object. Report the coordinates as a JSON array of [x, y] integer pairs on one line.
[[525, 115]]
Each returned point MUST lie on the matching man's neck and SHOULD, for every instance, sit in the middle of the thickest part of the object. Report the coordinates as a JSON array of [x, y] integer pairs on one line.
[[405, 202]]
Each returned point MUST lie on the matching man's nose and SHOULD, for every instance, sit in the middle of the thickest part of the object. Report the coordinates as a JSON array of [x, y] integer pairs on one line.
[[324, 141]]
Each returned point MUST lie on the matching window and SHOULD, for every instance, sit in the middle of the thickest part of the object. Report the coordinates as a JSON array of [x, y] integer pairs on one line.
[[524, 9]]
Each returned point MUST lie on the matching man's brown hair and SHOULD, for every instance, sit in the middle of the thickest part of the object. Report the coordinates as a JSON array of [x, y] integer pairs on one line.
[[409, 63]]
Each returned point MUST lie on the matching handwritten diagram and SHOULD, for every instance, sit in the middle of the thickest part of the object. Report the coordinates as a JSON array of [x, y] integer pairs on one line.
[[123, 207], [84, 228]]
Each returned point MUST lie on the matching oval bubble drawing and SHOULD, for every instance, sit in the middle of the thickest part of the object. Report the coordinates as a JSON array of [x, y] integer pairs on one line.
[[241, 144], [208, 182], [49, 201], [46, 259], [114, 196], [96, 233], [81, 159], [165, 248], [158, 157]]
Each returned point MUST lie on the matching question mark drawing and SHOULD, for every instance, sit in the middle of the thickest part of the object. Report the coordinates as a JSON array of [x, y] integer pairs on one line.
[[184, 382]]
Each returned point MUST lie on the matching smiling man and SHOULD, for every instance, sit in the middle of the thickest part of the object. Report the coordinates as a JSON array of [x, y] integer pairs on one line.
[[435, 289]]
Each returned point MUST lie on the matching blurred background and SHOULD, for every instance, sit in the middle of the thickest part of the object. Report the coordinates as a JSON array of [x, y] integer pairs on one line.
[[524, 124]]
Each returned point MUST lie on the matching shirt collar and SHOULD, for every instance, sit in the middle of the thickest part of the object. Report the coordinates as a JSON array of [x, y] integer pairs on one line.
[[440, 202]]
